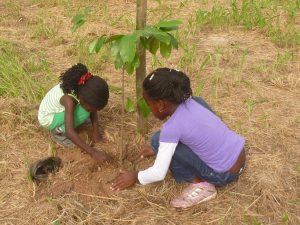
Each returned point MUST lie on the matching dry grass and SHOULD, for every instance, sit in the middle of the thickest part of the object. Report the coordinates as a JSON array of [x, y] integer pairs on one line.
[[258, 97]]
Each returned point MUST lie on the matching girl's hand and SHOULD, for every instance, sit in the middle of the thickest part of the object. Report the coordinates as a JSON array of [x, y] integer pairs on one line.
[[96, 137], [100, 157], [146, 152], [98, 140], [95, 140], [124, 180]]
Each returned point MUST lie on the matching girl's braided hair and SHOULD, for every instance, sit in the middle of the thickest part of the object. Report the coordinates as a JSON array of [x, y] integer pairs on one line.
[[168, 84], [94, 91]]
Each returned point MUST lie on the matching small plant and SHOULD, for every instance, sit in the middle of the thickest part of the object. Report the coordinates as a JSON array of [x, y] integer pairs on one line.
[[201, 82], [250, 106], [282, 61], [80, 19], [57, 222], [217, 76], [285, 218], [238, 76], [125, 53]]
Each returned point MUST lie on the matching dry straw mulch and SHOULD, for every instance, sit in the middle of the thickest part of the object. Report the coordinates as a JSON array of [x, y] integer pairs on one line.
[[258, 100]]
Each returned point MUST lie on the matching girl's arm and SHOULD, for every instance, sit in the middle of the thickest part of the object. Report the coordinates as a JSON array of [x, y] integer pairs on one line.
[[158, 171], [69, 103], [155, 173], [94, 119]]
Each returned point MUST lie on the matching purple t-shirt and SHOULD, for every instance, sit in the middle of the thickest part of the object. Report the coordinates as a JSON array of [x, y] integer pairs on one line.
[[205, 134]]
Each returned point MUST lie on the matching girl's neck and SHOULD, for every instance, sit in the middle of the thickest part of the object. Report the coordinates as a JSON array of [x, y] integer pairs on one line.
[[172, 108]]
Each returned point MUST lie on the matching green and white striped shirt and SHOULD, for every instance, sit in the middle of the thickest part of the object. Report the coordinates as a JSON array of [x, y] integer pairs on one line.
[[50, 105]]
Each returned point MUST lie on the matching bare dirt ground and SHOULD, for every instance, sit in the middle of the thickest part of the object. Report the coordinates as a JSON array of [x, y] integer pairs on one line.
[[260, 104]]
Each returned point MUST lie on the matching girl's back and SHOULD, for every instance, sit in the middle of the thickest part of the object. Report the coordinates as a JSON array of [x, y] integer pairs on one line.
[[50, 105], [203, 132]]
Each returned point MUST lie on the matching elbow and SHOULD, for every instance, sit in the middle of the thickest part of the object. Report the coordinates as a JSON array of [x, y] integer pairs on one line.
[[160, 177]]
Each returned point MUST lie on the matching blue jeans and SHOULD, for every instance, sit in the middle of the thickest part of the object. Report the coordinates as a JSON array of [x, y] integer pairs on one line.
[[186, 165]]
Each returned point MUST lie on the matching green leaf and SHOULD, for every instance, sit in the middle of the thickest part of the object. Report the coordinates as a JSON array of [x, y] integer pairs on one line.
[[96, 45], [115, 52], [162, 37], [118, 62], [145, 42], [138, 33], [165, 50], [153, 45], [129, 106], [79, 19], [149, 31], [114, 38], [128, 48], [115, 49], [136, 61], [129, 68], [166, 29], [173, 41], [144, 107], [170, 23]]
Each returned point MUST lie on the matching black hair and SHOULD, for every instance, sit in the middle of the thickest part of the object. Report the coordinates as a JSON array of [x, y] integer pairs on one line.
[[168, 84], [94, 91]]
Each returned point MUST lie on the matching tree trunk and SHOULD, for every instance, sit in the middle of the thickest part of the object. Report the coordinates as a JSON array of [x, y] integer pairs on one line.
[[122, 152], [141, 14]]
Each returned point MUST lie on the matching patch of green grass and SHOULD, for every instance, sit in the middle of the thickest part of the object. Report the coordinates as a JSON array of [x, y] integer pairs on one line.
[[217, 73], [287, 37], [276, 68], [242, 61], [52, 3], [217, 17], [188, 57], [283, 61], [17, 74], [43, 30], [12, 6], [256, 15]]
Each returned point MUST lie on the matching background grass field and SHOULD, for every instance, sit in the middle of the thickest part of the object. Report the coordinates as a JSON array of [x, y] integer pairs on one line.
[[242, 57]]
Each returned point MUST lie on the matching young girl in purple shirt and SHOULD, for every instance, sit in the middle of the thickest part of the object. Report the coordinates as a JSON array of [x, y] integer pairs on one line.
[[193, 142]]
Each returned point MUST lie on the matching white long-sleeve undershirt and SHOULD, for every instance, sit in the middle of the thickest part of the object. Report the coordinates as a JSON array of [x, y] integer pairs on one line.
[[158, 171]]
